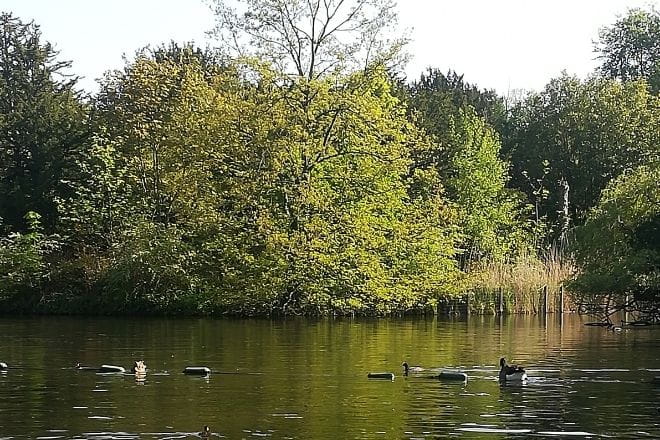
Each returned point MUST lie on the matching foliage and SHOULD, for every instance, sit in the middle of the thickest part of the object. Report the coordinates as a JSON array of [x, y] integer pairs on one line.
[[492, 216], [310, 38], [466, 153], [630, 48], [437, 96], [24, 268], [618, 248], [238, 190], [42, 120], [578, 135]]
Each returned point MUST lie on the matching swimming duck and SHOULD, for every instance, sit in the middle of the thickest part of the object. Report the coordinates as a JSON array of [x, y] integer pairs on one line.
[[408, 369], [511, 373], [139, 367], [206, 432]]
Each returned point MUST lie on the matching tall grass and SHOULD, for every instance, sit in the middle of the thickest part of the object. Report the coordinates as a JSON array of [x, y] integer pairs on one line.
[[521, 283]]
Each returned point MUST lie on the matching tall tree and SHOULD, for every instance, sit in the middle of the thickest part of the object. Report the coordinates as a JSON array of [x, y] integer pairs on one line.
[[466, 153], [568, 141], [630, 48], [237, 192], [310, 38], [42, 121]]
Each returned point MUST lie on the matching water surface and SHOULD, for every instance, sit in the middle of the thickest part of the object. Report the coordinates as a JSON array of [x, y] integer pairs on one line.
[[307, 379]]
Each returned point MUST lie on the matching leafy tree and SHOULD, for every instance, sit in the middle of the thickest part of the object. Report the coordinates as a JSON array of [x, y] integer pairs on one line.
[[24, 266], [354, 236], [618, 248], [42, 121], [309, 38], [466, 153], [244, 191], [568, 141], [437, 96], [630, 48], [136, 190]]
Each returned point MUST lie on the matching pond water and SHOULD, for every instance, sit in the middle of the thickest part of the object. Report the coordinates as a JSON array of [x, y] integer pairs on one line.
[[307, 379]]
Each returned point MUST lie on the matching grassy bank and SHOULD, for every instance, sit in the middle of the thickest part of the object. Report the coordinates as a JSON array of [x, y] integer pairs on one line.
[[521, 283]]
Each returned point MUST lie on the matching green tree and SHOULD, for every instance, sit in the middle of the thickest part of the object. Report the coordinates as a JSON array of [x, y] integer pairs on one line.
[[630, 48], [25, 268], [618, 248], [248, 192], [42, 121], [141, 189], [568, 141], [437, 96], [355, 235], [465, 151]]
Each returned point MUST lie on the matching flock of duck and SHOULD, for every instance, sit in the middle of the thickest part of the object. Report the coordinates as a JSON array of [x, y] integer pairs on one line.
[[139, 369], [507, 373]]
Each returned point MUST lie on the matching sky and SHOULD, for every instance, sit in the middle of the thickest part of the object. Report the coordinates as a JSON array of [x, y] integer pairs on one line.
[[497, 44]]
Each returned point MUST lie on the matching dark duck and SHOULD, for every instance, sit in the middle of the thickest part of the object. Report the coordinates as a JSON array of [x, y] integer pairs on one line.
[[511, 373], [407, 369]]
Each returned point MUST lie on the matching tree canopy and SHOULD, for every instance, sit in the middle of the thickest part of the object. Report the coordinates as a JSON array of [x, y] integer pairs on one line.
[[568, 141], [618, 248], [309, 38], [41, 122], [630, 48], [291, 171]]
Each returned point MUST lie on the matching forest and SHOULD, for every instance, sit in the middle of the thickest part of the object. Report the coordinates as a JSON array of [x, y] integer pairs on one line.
[[293, 170]]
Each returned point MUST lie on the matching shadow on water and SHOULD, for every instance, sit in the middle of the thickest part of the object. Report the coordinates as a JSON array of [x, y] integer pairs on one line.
[[308, 379]]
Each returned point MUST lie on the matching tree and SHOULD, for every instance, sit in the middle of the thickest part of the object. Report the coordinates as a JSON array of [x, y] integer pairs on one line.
[[568, 141], [630, 48], [139, 193], [309, 38], [465, 151], [353, 234], [42, 121], [436, 96], [242, 190], [618, 248], [24, 266]]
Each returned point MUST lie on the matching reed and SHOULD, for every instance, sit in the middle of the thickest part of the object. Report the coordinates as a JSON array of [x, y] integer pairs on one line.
[[521, 283]]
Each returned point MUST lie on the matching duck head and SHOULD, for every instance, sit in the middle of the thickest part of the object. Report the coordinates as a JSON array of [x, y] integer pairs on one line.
[[139, 367], [406, 368], [502, 362]]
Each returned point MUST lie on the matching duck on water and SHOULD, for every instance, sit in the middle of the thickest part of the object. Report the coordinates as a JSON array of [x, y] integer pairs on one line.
[[138, 368], [511, 373], [407, 369]]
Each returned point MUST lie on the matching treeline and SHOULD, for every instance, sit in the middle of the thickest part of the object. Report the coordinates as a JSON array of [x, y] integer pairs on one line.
[[302, 176]]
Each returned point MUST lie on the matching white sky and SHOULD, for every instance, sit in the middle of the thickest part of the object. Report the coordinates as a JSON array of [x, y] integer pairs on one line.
[[500, 44]]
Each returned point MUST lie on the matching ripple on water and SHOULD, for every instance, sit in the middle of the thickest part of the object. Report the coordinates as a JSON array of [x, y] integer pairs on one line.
[[490, 429]]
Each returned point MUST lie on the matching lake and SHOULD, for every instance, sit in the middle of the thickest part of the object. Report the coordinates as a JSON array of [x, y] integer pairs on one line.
[[307, 379]]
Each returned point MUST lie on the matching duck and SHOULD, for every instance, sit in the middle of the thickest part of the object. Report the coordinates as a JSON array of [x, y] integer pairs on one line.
[[408, 369], [3, 366], [139, 367], [511, 373], [615, 328], [206, 432]]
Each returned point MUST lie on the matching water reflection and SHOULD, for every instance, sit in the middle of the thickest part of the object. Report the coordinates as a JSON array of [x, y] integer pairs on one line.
[[308, 379]]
